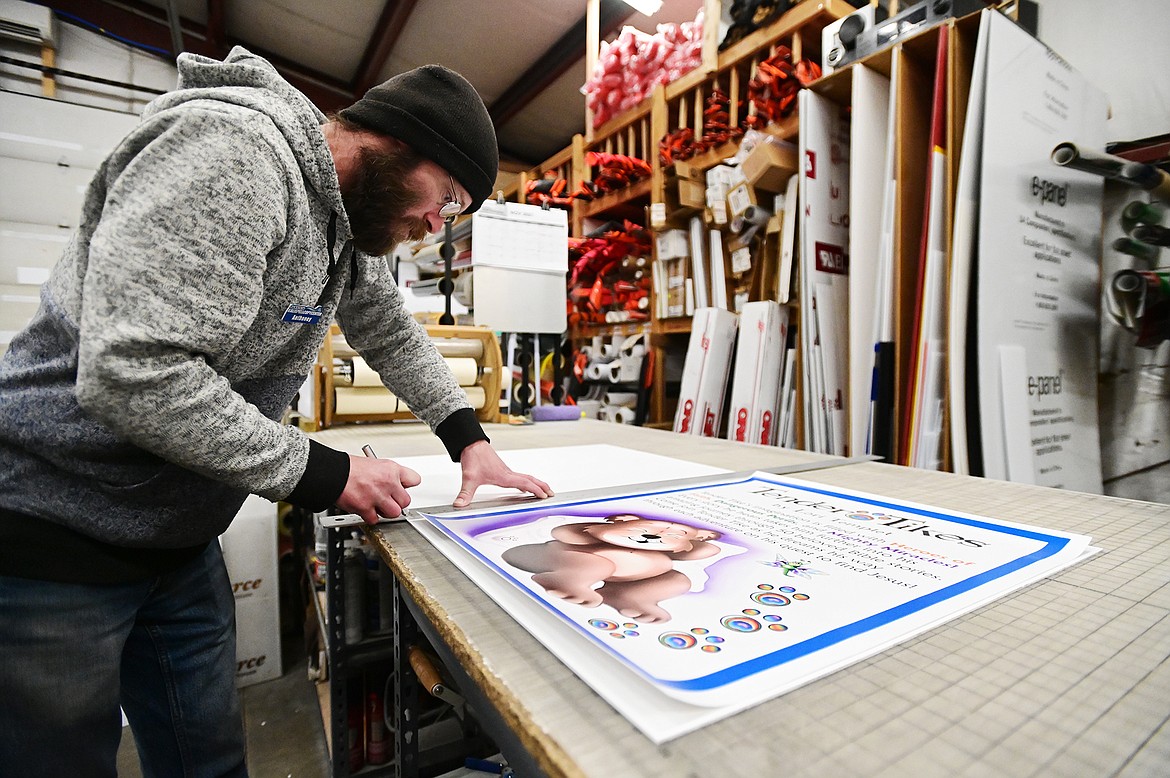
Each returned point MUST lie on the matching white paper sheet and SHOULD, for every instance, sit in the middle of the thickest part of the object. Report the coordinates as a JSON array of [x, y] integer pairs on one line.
[[786, 581], [1039, 241]]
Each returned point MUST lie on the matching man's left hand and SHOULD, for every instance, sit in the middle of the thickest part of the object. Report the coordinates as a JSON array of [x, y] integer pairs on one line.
[[482, 465]]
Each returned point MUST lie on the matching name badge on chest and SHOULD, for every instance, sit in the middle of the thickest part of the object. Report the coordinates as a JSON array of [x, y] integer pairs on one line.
[[302, 314]]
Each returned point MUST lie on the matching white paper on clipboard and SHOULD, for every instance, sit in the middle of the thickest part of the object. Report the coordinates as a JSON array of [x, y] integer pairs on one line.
[[520, 254]]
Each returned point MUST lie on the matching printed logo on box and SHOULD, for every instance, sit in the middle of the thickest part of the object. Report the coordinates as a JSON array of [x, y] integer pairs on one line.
[[831, 258], [251, 665], [810, 163], [688, 412], [247, 588], [741, 425], [766, 429]]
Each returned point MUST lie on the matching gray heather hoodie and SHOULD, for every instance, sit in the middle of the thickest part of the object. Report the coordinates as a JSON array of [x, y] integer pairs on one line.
[[138, 406]]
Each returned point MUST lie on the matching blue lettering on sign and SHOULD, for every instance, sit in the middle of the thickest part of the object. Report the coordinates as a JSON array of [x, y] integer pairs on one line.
[[302, 314]]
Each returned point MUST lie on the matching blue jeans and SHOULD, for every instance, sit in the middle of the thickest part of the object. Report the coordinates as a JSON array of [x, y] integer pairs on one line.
[[164, 648]]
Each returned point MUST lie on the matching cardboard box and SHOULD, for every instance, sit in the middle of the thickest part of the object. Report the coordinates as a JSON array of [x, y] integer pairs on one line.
[[739, 199], [688, 170], [755, 388], [249, 550], [691, 194], [672, 244], [250, 554], [258, 650], [705, 373], [768, 166]]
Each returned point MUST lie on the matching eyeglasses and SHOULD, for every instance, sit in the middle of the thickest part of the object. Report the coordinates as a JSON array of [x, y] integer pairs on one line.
[[452, 207]]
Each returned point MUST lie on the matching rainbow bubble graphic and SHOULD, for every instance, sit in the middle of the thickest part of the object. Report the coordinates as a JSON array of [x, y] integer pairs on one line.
[[800, 596], [740, 624], [714, 639], [771, 617], [679, 640], [778, 627], [630, 625], [751, 612], [765, 587], [700, 630], [710, 649], [774, 599], [631, 633], [787, 589], [602, 624], [617, 635]]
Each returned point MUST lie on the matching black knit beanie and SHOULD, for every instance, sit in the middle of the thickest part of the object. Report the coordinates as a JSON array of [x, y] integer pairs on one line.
[[439, 114]]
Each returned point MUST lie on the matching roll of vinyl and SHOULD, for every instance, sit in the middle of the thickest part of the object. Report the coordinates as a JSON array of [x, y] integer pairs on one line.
[[460, 347], [476, 396], [624, 415], [466, 369], [366, 399], [627, 399], [608, 413], [597, 371], [363, 374]]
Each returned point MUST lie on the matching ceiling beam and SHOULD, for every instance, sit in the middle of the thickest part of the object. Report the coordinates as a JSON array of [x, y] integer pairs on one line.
[[552, 64], [390, 25], [145, 24]]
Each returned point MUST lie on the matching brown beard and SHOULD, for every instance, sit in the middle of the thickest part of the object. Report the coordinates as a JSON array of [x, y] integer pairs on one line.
[[379, 196]]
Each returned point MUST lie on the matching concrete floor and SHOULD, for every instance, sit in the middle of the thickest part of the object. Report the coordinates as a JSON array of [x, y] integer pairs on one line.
[[282, 722]]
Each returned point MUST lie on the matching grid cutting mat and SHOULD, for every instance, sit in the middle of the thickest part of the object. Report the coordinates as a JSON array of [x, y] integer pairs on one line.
[[1068, 676]]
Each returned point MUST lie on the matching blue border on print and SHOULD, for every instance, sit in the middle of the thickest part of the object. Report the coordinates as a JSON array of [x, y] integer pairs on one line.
[[1053, 545]]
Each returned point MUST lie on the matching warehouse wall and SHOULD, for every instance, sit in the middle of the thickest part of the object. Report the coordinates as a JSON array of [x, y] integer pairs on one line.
[[1117, 46]]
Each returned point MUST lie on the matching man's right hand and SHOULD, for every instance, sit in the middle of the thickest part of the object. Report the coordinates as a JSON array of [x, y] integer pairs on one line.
[[377, 487]]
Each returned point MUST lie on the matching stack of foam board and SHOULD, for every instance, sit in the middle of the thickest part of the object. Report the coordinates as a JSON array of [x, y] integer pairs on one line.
[[705, 373], [755, 388]]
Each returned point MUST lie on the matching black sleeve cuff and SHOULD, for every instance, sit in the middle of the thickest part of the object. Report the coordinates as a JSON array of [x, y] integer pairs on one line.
[[460, 430], [324, 480]]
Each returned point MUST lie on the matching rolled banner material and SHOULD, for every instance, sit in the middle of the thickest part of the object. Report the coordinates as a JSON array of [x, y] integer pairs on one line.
[[623, 415], [597, 371], [476, 396], [366, 400], [1070, 155], [364, 375], [625, 399], [466, 369], [459, 347]]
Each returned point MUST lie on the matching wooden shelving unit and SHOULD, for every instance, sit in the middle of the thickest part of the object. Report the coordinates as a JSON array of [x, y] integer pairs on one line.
[[638, 131]]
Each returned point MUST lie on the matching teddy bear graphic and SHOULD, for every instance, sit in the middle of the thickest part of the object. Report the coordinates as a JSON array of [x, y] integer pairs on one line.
[[632, 557]]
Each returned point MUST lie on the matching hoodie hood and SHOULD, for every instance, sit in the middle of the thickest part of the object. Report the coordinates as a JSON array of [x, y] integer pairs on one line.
[[246, 80]]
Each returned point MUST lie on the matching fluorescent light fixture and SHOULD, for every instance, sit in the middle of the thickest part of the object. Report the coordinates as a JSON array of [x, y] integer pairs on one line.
[[645, 7]]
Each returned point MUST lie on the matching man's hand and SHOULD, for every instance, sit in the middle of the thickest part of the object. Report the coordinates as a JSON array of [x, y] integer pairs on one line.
[[482, 465], [377, 487]]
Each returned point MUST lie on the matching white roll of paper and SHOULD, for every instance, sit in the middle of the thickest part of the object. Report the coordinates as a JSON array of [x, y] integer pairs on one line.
[[459, 347], [466, 370], [366, 400], [364, 375]]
